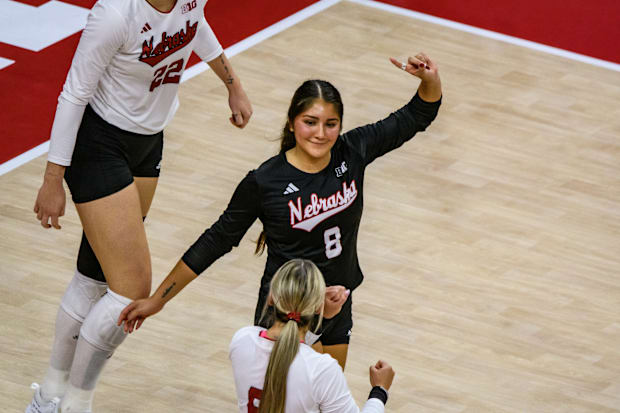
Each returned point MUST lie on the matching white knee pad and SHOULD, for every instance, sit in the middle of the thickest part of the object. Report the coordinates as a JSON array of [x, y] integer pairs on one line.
[[81, 295], [100, 328]]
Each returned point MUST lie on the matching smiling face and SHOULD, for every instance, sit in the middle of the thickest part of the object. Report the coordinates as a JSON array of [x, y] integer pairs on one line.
[[316, 130]]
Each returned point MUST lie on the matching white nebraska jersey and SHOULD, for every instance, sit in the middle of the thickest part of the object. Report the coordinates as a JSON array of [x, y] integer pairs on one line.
[[315, 383], [128, 65]]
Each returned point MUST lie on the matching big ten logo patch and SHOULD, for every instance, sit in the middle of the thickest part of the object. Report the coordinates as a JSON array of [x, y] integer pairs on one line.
[[188, 7]]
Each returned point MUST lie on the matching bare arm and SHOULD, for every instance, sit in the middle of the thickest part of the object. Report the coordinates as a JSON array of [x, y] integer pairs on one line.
[[51, 200], [135, 313], [237, 99]]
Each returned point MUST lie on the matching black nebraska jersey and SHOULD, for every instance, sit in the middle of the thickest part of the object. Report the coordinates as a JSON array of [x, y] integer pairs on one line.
[[315, 216]]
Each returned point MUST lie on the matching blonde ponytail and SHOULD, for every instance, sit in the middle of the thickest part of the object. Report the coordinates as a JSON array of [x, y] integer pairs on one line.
[[298, 292]]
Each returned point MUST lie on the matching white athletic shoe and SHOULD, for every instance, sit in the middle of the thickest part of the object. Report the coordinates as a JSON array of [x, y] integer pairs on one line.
[[38, 405]]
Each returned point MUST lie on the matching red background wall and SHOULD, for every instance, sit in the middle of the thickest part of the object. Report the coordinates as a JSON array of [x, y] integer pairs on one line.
[[589, 27]]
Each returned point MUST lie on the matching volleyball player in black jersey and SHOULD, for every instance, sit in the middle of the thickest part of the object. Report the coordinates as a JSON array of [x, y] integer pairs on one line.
[[309, 197]]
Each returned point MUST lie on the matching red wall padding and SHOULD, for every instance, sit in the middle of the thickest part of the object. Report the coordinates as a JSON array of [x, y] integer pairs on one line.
[[589, 27]]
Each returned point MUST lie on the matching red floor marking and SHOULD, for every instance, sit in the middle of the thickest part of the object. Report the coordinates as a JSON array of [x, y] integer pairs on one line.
[[31, 85]]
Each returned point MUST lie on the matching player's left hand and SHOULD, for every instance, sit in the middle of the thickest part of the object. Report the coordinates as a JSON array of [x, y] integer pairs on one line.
[[136, 312], [419, 65], [335, 297], [240, 107]]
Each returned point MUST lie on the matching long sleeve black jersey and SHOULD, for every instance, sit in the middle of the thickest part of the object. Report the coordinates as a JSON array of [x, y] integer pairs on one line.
[[315, 216]]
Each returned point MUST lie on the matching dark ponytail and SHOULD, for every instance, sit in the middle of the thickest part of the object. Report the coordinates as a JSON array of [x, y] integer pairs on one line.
[[304, 98]]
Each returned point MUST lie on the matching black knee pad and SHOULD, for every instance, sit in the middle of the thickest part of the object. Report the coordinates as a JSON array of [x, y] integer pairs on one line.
[[87, 262]]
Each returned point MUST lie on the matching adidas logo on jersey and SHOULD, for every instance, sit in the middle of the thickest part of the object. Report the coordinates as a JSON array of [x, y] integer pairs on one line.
[[290, 189], [146, 28]]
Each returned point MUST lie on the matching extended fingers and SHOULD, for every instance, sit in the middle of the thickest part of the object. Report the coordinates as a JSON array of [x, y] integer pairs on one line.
[[398, 64], [129, 324], [414, 65], [124, 315]]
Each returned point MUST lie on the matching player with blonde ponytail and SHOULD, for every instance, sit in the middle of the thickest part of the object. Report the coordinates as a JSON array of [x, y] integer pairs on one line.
[[276, 372]]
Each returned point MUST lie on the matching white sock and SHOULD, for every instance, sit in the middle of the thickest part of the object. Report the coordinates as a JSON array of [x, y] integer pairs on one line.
[[80, 296], [54, 384], [77, 400], [99, 337]]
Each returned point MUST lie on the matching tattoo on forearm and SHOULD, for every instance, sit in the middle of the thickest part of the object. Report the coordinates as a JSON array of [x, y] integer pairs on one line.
[[230, 79], [168, 290]]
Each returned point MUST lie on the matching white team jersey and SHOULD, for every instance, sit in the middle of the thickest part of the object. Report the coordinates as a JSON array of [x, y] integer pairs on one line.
[[315, 381], [128, 65]]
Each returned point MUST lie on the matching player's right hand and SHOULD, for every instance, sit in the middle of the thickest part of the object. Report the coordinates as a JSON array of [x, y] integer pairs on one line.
[[419, 65], [135, 313], [335, 297], [50, 203], [381, 374]]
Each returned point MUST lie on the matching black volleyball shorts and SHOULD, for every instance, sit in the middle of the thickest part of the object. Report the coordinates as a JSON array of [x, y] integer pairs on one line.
[[107, 158]]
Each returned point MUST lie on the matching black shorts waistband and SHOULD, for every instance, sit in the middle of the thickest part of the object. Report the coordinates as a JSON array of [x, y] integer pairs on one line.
[[98, 119]]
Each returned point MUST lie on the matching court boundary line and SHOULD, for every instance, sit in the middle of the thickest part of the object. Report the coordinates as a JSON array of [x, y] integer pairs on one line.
[[264, 34], [489, 34], [320, 6], [198, 68]]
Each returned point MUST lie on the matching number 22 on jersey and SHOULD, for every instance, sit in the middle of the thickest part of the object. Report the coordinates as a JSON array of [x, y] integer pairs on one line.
[[167, 74]]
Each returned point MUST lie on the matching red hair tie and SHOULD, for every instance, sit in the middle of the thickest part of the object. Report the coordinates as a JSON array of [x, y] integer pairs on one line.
[[294, 316]]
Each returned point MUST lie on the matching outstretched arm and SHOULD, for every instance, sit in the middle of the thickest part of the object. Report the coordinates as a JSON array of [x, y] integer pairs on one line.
[[378, 138], [216, 241], [135, 313]]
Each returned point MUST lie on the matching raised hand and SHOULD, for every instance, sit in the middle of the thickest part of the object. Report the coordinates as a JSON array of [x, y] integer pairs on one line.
[[381, 374], [423, 67], [419, 65]]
